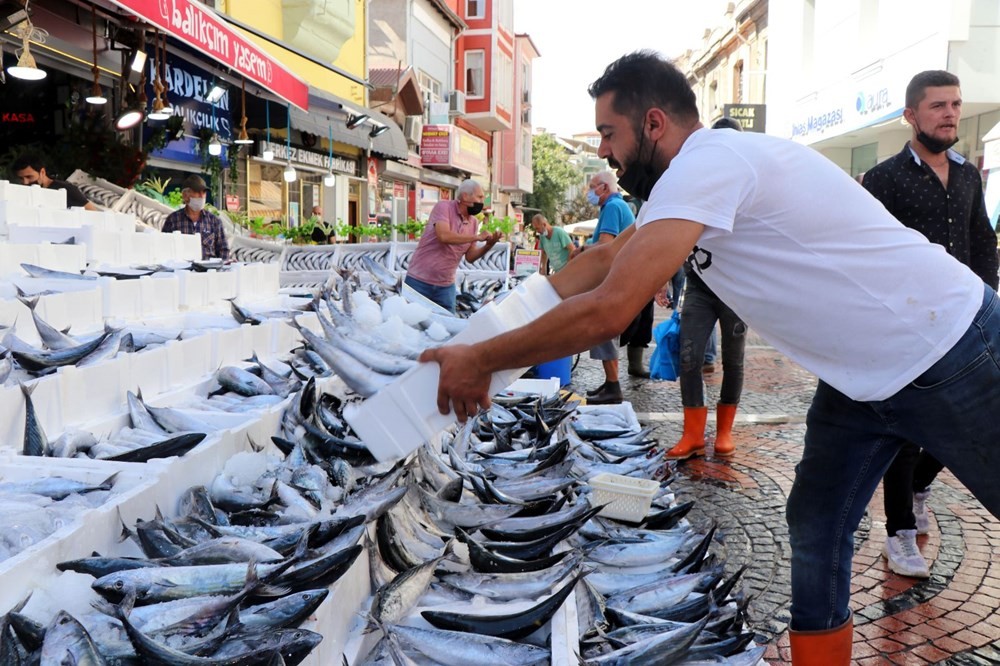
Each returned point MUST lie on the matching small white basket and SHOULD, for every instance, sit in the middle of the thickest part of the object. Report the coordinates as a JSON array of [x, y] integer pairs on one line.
[[624, 497]]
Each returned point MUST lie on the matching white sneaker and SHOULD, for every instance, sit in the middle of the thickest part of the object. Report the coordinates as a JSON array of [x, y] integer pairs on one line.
[[904, 557], [920, 511]]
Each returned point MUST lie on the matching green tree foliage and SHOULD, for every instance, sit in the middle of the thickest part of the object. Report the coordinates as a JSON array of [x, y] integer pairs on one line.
[[579, 209], [553, 174]]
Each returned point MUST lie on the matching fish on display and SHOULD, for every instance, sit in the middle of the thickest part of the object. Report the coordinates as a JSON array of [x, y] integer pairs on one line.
[[47, 274], [35, 441]]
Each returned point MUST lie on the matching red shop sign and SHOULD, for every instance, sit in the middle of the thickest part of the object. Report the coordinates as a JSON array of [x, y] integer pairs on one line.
[[202, 29]]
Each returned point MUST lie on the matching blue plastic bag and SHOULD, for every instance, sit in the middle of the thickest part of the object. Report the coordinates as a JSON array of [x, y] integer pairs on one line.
[[665, 361]]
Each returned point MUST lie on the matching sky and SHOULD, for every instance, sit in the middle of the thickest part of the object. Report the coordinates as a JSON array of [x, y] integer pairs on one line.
[[577, 39]]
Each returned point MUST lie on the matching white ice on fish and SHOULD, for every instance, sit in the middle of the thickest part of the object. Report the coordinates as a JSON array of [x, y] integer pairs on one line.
[[437, 332], [365, 311], [69, 591], [244, 468], [394, 330], [411, 313]]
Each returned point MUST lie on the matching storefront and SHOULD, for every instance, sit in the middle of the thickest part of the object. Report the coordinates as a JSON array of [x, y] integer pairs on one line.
[[452, 154]]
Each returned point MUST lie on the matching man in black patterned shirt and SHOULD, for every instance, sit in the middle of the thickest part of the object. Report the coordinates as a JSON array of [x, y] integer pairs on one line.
[[933, 189], [194, 219]]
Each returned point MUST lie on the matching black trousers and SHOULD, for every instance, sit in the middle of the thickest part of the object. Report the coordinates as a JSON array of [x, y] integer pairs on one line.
[[640, 332]]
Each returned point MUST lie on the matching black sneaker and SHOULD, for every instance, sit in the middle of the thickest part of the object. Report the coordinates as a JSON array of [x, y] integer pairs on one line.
[[592, 392], [610, 394]]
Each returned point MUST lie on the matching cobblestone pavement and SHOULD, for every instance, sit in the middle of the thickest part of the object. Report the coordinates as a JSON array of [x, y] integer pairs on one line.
[[952, 618]]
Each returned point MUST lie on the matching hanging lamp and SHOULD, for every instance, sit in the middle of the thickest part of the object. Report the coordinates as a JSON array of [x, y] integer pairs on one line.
[[26, 68], [329, 180], [159, 111], [289, 173], [214, 145], [243, 138], [267, 155], [96, 94]]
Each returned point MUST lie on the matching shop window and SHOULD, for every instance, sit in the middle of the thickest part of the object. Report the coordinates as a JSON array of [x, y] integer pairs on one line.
[[863, 158], [475, 73]]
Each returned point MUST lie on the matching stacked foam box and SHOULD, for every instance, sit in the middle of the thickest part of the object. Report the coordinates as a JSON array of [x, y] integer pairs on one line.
[[412, 398]]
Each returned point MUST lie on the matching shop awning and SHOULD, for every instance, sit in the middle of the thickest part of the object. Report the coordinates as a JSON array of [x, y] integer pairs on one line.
[[201, 28], [328, 111]]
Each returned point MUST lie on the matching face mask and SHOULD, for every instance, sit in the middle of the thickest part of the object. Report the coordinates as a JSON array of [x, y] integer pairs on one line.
[[196, 203], [639, 179], [476, 208], [936, 146], [592, 198]]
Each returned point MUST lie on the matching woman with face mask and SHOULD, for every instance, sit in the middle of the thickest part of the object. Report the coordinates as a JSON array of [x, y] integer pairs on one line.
[[194, 219]]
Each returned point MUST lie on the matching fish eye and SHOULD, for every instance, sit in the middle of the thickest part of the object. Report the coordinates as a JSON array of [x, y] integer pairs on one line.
[[119, 584]]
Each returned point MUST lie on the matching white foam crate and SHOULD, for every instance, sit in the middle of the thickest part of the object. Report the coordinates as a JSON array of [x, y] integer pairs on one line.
[[187, 246], [12, 256], [68, 258], [18, 212], [231, 346], [262, 337], [103, 247], [120, 298], [137, 249], [221, 286], [37, 234], [82, 311], [256, 282], [94, 391], [546, 388], [97, 529], [413, 397], [337, 614], [194, 293], [43, 197], [159, 294], [14, 193], [148, 372], [624, 497], [46, 399], [189, 361]]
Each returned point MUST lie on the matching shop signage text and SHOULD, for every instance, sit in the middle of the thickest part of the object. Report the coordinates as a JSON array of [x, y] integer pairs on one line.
[[819, 123], [451, 146], [751, 117], [310, 158], [17, 118], [202, 29]]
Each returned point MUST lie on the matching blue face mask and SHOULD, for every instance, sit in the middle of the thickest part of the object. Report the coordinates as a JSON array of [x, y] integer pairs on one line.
[[592, 198]]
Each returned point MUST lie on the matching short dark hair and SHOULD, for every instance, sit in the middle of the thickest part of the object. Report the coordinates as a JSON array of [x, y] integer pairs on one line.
[[725, 122], [27, 160], [916, 90], [644, 79]]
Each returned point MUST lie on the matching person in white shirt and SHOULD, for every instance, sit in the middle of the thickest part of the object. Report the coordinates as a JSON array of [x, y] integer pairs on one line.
[[904, 338]]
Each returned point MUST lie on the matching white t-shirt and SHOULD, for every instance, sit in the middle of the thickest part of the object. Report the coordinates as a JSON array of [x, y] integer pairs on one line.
[[814, 263]]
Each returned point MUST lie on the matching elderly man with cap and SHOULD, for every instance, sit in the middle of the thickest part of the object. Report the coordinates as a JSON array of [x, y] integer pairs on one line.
[[194, 219]]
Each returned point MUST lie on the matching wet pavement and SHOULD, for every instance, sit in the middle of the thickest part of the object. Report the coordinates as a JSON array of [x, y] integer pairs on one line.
[[952, 618]]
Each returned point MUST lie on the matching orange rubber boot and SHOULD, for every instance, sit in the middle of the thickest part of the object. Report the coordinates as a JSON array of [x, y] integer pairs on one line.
[[724, 417], [829, 647], [692, 442]]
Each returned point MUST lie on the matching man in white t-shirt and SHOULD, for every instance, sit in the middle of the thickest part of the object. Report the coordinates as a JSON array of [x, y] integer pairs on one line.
[[904, 338]]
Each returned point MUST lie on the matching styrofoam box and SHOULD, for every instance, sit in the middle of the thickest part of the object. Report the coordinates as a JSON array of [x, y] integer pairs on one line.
[[546, 388], [231, 345], [188, 246], [43, 197], [256, 281], [14, 193], [103, 247], [138, 248], [69, 258], [262, 337], [189, 361], [337, 614], [193, 290], [94, 391], [413, 397], [159, 295], [221, 286], [82, 311], [121, 298], [18, 212], [148, 372], [14, 255], [625, 409], [46, 399], [135, 496]]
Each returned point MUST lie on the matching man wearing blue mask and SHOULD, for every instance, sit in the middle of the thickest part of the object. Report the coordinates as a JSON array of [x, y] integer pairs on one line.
[[614, 218], [194, 219]]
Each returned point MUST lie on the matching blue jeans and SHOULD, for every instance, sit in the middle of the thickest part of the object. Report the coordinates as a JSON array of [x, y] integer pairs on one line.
[[443, 296], [950, 410]]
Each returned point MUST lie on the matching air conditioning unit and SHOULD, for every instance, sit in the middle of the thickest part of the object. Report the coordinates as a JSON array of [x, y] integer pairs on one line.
[[456, 103], [413, 128]]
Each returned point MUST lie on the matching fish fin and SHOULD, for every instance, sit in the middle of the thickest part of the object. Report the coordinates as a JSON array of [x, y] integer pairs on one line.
[[108, 483], [28, 390], [102, 606], [29, 303], [126, 532]]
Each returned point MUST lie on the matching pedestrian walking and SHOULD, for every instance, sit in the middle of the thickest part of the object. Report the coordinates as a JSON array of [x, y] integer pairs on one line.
[[930, 188]]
